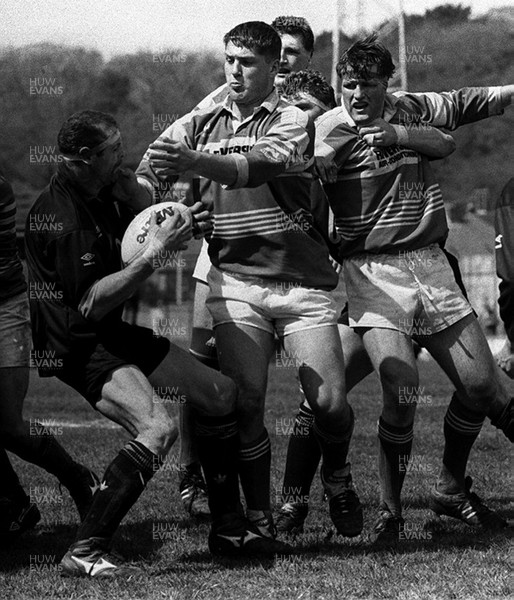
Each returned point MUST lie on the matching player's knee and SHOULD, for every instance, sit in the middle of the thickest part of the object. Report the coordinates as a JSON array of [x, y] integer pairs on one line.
[[227, 397], [331, 403], [249, 401], [482, 392], [163, 432]]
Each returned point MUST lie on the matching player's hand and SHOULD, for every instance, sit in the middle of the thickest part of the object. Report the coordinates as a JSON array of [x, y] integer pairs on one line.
[[169, 158], [505, 359], [169, 236], [379, 133], [202, 220]]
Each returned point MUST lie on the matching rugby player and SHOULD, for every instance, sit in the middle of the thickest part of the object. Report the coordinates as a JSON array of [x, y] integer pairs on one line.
[[389, 242], [297, 47], [120, 368], [40, 448], [303, 454], [270, 263], [504, 225]]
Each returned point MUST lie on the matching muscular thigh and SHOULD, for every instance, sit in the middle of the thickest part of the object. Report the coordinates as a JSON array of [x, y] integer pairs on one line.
[[320, 359], [464, 354]]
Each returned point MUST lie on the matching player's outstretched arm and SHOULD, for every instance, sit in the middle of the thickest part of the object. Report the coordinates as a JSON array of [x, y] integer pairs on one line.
[[418, 136], [458, 107], [284, 146], [112, 290]]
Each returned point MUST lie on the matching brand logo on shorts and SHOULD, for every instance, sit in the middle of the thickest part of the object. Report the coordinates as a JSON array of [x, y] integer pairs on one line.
[[88, 259], [498, 241]]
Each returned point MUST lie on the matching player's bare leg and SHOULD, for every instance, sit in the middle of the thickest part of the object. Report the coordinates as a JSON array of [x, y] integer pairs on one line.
[[244, 353], [320, 355], [463, 353], [303, 451], [393, 358]]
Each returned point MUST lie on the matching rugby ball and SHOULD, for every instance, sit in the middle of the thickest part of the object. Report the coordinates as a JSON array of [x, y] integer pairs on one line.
[[136, 238]]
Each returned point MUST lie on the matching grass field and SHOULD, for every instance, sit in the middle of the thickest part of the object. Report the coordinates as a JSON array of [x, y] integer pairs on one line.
[[453, 561]]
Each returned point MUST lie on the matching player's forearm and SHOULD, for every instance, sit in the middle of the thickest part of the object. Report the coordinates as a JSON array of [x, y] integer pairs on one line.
[[426, 140], [221, 169], [109, 292]]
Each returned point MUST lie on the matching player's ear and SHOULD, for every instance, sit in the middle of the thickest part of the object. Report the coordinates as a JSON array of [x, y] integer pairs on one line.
[[274, 64], [85, 155]]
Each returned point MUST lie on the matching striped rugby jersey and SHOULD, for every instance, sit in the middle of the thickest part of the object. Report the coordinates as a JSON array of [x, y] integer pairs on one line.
[[387, 200], [263, 230], [12, 281]]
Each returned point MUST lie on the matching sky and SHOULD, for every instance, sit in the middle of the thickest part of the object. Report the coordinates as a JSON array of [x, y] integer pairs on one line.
[[125, 26]]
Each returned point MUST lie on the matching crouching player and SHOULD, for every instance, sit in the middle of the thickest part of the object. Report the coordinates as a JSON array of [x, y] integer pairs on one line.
[[119, 367]]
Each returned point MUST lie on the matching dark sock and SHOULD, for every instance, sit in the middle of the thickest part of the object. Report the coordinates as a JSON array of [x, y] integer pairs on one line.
[[504, 420], [334, 449], [218, 445], [10, 486], [394, 450], [43, 450], [254, 472], [461, 429], [122, 484], [303, 456]]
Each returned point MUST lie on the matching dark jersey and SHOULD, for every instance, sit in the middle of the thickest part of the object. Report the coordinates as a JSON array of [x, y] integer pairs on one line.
[[71, 242], [12, 281], [504, 222]]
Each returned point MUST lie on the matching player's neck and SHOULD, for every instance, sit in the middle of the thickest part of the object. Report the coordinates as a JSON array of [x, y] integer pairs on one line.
[[245, 110]]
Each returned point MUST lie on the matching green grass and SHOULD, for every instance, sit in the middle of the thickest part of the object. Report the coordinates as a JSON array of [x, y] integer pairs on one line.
[[454, 561]]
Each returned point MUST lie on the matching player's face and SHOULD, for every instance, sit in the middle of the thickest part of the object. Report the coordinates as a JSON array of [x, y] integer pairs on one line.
[[364, 98], [249, 75], [293, 57], [106, 163]]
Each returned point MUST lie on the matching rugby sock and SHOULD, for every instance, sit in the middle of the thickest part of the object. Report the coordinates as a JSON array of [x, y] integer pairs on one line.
[[188, 443], [254, 472], [504, 419], [122, 484], [334, 450], [218, 445], [394, 450], [461, 429], [303, 456], [10, 484]]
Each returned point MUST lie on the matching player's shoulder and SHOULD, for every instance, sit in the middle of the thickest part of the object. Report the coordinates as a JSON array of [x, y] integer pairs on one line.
[[215, 97], [336, 118]]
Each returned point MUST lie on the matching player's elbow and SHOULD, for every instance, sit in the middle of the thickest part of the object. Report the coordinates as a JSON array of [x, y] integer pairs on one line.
[[446, 147]]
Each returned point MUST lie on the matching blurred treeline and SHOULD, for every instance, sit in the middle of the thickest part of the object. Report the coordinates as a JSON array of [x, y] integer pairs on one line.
[[41, 85]]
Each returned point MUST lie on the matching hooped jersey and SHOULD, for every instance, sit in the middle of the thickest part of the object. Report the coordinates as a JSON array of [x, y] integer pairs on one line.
[[266, 230], [387, 200]]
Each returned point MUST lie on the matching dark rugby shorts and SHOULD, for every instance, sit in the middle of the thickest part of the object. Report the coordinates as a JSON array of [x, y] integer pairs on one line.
[[128, 345]]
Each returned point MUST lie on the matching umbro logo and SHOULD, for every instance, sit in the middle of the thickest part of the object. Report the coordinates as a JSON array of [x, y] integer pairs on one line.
[[88, 259]]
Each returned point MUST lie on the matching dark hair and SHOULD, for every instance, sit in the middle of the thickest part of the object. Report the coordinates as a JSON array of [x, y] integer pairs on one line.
[[311, 82], [257, 36], [85, 128], [296, 26], [361, 56]]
